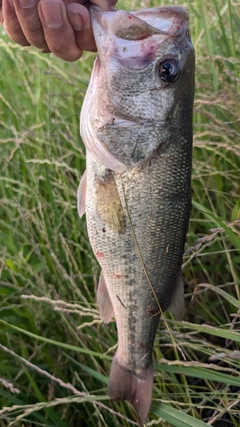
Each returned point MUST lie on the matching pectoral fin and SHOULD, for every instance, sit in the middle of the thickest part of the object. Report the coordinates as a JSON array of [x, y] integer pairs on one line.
[[104, 301], [81, 195], [109, 206], [176, 306]]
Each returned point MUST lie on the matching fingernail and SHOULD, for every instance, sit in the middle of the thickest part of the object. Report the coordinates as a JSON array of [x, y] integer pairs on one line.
[[75, 20], [52, 14], [27, 3]]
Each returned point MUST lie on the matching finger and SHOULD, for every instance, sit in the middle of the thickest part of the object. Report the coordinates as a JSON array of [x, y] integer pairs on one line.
[[11, 24], [79, 18], [27, 14], [1, 14], [58, 32], [105, 4]]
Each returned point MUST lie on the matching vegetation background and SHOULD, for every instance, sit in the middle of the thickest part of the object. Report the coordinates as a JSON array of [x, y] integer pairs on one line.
[[55, 353]]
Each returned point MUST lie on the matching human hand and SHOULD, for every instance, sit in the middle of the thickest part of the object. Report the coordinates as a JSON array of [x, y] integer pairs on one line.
[[58, 26]]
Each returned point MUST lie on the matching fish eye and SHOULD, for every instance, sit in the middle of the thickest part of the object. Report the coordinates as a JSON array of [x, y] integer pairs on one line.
[[169, 70]]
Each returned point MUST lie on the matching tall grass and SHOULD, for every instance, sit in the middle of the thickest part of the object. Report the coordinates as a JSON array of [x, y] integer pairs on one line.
[[55, 353]]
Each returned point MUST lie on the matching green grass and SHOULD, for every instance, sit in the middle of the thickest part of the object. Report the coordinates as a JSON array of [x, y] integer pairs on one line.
[[55, 353]]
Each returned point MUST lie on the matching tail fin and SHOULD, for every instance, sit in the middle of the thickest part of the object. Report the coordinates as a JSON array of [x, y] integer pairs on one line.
[[135, 387]]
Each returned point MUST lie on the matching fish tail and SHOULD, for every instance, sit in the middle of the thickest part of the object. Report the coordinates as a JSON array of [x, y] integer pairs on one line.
[[135, 387]]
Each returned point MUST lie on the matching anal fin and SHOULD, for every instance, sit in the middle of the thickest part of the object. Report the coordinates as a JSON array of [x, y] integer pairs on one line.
[[104, 301], [81, 195], [176, 306]]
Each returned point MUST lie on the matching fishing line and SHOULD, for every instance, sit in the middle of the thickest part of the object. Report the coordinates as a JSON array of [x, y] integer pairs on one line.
[[139, 252], [145, 270]]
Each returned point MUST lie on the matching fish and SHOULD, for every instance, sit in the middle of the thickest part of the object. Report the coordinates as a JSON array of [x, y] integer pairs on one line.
[[136, 124]]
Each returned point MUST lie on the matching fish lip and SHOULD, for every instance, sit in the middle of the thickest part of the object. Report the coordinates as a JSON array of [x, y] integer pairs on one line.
[[178, 11]]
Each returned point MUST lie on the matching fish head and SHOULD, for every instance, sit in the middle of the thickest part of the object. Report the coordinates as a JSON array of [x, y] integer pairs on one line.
[[142, 84]]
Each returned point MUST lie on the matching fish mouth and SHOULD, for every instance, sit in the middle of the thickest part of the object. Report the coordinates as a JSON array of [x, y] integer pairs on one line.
[[166, 21], [133, 38]]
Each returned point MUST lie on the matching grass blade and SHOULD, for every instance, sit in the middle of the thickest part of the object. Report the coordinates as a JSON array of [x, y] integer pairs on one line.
[[176, 417]]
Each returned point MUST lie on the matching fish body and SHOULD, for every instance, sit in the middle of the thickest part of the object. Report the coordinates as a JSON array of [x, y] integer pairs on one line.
[[136, 123]]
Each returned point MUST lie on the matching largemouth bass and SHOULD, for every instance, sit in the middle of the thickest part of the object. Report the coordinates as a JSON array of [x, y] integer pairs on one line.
[[136, 123]]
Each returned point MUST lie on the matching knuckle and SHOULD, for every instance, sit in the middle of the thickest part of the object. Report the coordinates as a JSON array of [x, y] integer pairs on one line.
[[73, 57], [45, 50], [66, 50], [37, 41], [68, 56], [16, 36], [60, 45]]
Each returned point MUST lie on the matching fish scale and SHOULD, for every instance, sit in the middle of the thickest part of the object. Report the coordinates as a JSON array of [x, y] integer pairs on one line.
[[136, 189]]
